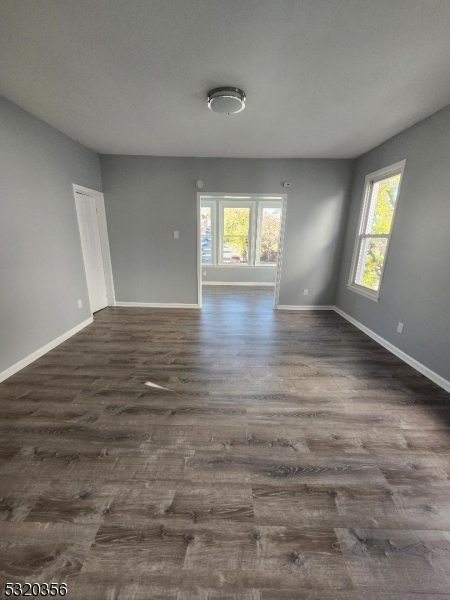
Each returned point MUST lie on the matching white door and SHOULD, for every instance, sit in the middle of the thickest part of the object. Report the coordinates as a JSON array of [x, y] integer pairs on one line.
[[92, 251]]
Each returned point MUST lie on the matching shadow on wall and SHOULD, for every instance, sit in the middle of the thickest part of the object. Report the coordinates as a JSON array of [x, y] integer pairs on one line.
[[316, 254], [314, 277]]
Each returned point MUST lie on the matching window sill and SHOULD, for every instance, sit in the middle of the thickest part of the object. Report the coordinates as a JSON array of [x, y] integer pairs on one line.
[[375, 296], [240, 266]]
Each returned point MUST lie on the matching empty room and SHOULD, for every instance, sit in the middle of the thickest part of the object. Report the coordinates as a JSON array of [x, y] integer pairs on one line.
[[225, 299]]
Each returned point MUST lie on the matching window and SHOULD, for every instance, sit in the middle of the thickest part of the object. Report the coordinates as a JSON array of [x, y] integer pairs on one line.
[[269, 225], [381, 193], [248, 231], [207, 223], [235, 233]]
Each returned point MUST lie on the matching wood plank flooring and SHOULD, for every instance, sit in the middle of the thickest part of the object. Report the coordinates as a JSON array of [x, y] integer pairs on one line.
[[293, 459]]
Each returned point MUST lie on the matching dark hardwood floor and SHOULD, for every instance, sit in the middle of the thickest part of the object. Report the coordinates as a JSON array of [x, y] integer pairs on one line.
[[293, 458]]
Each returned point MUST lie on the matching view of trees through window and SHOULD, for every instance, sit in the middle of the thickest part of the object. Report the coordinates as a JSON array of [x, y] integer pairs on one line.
[[270, 233], [249, 233], [236, 228], [376, 229]]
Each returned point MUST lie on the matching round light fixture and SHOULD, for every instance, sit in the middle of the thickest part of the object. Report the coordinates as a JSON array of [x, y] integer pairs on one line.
[[226, 100]]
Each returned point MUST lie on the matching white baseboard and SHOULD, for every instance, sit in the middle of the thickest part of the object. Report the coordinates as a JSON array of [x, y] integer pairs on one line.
[[38, 353], [297, 307], [412, 362], [248, 283], [415, 364], [156, 305]]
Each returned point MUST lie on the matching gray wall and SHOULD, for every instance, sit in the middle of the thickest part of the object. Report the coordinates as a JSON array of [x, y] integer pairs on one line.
[[147, 198], [226, 274], [41, 266], [416, 285]]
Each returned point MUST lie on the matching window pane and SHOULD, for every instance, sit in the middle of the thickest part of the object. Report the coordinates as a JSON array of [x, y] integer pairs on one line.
[[235, 250], [205, 230], [270, 233], [371, 257], [382, 205], [236, 223]]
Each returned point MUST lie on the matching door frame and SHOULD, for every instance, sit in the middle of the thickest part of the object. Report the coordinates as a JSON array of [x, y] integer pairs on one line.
[[104, 240], [243, 196]]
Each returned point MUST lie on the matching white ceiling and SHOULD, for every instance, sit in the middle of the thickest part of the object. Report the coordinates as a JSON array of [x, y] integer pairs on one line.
[[323, 78]]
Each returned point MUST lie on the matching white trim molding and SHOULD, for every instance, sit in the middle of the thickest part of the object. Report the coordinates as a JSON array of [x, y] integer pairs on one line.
[[248, 283], [156, 305], [249, 200], [199, 252], [104, 238], [370, 180], [276, 295], [412, 362], [230, 266], [298, 307], [43, 350], [359, 289]]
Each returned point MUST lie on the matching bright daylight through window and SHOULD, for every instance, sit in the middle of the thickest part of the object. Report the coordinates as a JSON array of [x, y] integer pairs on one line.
[[269, 225], [206, 232], [235, 234], [248, 231], [380, 202]]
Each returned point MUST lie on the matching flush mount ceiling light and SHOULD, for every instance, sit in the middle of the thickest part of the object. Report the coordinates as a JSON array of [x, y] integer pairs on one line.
[[226, 100]]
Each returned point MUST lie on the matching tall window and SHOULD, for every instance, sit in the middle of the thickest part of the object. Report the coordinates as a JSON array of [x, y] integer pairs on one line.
[[240, 232], [207, 226], [236, 234], [269, 224], [375, 228]]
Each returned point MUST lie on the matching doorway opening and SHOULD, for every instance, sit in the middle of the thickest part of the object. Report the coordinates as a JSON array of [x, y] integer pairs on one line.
[[240, 240], [90, 208]]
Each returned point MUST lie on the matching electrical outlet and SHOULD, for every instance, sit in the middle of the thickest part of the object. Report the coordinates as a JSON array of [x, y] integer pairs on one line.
[[80, 304], [176, 234], [305, 292], [400, 328]]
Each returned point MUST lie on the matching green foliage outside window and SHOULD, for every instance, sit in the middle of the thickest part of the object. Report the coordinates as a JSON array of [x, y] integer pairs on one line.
[[270, 232], [236, 223], [379, 223]]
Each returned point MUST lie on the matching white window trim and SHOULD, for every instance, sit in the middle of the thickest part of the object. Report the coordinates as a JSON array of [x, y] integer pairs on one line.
[[251, 204], [261, 206], [371, 178], [211, 204], [214, 200]]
